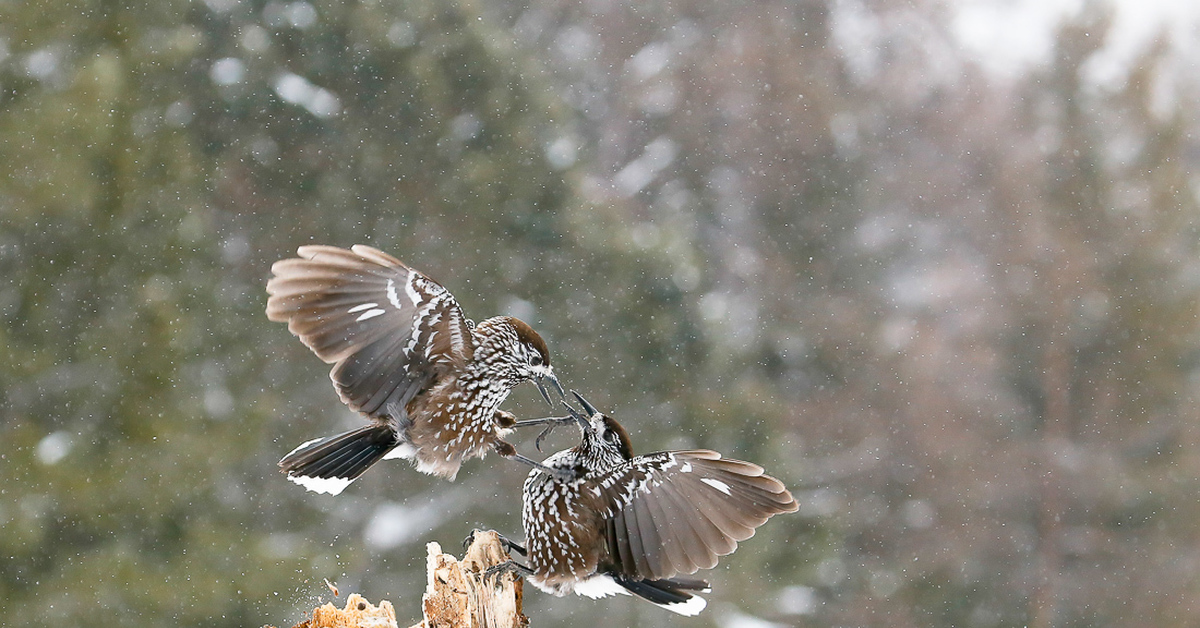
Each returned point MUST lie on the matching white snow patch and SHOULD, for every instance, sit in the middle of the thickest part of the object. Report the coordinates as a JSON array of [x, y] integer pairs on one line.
[[394, 524], [638, 173], [54, 447], [650, 60], [218, 402], [227, 71], [797, 600], [562, 152], [297, 90], [42, 64], [1009, 37]]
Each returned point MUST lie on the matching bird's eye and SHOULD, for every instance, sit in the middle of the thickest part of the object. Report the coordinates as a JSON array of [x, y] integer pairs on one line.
[[536, 360]]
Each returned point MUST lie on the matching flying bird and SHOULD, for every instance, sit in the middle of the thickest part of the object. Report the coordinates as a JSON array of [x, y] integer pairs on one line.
[[604, 521], [429, 380]]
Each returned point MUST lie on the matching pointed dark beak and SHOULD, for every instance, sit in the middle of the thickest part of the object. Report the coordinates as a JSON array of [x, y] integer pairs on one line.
[[587, 407], [541, 384], [579, 418]]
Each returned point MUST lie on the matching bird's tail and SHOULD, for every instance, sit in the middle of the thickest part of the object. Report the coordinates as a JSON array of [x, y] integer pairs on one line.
[[330, 464], [673, 594]]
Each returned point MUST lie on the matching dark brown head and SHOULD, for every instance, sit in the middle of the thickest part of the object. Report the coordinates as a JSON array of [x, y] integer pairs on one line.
[[534, 358], [539, 354], [602, 435]]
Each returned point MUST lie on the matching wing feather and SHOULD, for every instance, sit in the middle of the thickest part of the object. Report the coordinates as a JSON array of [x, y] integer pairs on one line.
[[677, 512], [675, 543], [388, 330], [694, 508], [637, 539], [683, 534]]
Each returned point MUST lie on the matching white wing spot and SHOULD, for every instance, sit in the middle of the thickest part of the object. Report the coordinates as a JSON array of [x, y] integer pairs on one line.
[[392, 294], [359, 308], [369, 314], [410, 289], [717, 484]]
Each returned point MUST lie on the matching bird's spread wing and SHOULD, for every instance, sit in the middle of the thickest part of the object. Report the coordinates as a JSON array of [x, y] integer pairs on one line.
[[676, 512], [388, 329]]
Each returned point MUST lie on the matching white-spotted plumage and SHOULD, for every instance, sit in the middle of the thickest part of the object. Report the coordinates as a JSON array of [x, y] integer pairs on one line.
[[406, 357], [608, 522]]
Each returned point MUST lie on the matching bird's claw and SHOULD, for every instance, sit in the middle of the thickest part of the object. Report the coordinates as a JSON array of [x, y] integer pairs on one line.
[[466, 544], [542, 436]]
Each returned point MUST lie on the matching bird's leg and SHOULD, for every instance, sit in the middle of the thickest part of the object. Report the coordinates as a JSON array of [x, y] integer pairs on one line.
[[504, 419], [509, 546], [510, 452], [550, 422], [512, 546], [508, 566], [507, 420]]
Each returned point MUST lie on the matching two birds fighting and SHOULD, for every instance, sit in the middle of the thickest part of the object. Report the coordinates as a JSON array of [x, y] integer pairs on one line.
[[597, 519]]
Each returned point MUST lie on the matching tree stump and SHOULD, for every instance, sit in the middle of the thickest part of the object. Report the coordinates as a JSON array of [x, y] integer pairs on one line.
[[456, 594], [359, 613]]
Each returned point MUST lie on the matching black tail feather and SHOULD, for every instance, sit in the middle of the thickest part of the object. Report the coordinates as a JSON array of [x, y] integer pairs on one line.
[[666, 592], [345, 455]]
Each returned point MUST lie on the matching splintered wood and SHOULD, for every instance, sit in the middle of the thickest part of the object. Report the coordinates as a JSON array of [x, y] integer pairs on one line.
[[458, 596], [359, 613]]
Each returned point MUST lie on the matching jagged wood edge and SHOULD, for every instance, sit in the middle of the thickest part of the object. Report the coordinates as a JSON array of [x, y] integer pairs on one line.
[[458, 596]]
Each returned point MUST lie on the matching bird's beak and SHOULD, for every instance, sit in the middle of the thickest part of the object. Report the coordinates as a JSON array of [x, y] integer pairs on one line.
[[541, 384], [587, 407], [583, 422]]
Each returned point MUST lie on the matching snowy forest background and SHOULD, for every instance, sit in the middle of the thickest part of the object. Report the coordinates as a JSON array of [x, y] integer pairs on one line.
[[952, 305]]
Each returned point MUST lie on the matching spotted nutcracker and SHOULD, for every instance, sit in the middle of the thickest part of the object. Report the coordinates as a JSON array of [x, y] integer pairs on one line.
[[605, 521], [406, 357]]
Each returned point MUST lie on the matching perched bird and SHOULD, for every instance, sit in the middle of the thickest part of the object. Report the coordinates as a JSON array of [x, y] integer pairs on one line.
[[605, 521], [404, 355]]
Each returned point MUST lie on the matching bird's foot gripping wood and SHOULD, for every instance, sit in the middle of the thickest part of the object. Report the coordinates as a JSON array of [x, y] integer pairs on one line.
[[509, 545], [456, 595], [508, 566]]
